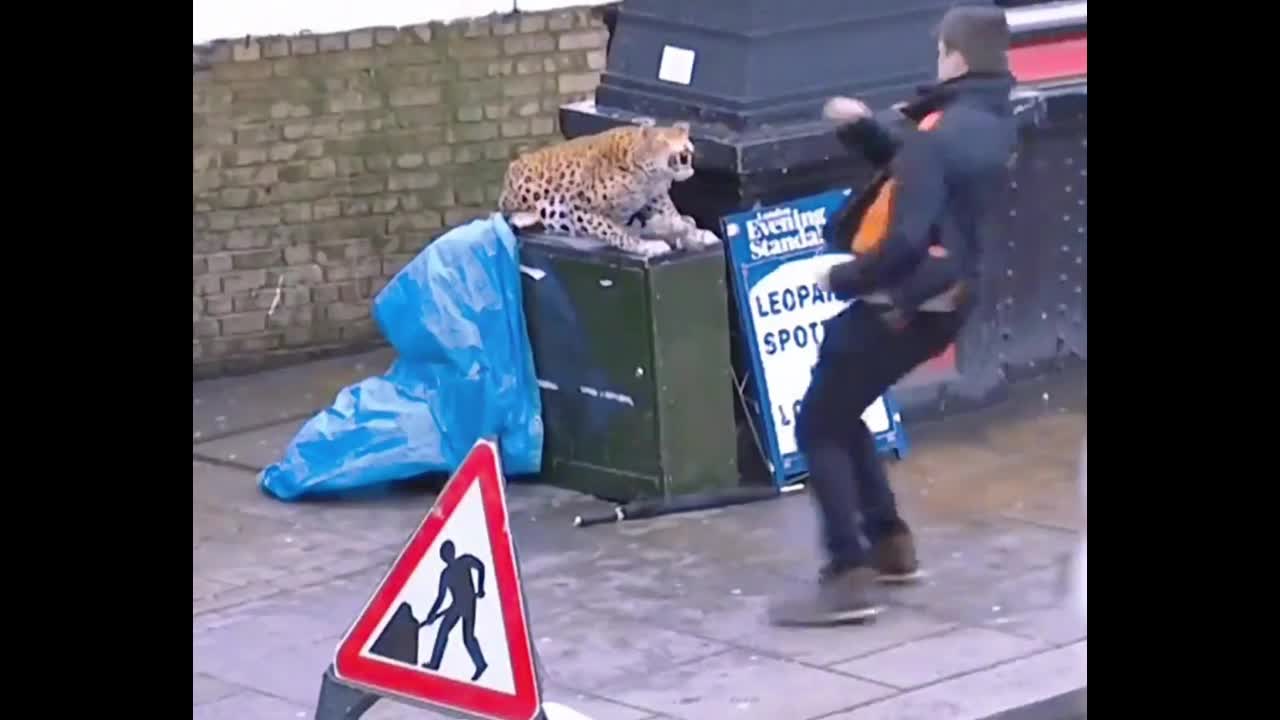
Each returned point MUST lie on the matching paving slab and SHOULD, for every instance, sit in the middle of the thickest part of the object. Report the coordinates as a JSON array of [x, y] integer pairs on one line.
[[991, 604], [254, 449], [249, 704], [586, 650], [231, 404], [979, 695], [290, 672], [592, 706], [938, 657], [742, 685], [206, 689], [700, 596], [1055, 624], [1024, 487]]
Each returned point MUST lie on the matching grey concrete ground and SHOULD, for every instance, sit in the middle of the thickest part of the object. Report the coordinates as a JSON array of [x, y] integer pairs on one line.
[[660, 618]]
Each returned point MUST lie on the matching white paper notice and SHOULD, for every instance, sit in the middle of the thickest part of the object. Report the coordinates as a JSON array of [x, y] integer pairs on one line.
[[676, 65], [789, 313]]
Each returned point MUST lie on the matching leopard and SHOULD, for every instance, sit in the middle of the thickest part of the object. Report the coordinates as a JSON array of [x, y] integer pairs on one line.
[[613, 185]]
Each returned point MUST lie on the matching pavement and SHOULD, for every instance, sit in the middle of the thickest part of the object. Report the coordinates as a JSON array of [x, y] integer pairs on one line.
[[660, 618]]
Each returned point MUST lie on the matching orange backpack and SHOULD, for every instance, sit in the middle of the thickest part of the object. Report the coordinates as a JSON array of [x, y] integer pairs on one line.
[[874, 227]]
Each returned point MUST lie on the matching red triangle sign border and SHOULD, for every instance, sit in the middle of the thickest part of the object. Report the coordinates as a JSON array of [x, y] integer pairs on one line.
[[481, 466]]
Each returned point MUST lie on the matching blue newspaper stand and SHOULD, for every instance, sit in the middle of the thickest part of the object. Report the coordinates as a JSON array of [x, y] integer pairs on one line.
[[773, 252]]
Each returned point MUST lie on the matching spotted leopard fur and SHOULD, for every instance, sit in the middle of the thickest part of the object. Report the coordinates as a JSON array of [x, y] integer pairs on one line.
[[599, 185]]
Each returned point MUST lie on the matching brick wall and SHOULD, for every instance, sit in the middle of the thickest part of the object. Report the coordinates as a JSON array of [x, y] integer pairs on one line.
[[322, 163]]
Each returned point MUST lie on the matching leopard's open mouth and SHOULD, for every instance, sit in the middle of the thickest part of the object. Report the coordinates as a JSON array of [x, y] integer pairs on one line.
[[680, 160]]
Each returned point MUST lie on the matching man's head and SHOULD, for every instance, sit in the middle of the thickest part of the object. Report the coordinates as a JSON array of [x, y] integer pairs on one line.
[[447, 551], [972, 38]]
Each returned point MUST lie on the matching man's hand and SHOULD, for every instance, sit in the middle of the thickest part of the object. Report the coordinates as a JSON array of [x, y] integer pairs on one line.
[[822, 279], [895, 319], [843, 109]]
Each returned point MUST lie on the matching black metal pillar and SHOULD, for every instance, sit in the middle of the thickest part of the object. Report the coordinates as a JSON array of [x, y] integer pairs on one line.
[[750, 76]]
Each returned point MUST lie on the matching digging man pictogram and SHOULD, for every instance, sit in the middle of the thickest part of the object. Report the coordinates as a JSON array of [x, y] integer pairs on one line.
[[456, 580]]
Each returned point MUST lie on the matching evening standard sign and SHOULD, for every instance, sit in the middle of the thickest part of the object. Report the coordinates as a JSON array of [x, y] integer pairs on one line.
[[785, 230], [775, 252]]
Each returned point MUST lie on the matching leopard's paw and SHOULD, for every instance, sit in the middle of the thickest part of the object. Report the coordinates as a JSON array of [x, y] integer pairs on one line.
[[650, 248]]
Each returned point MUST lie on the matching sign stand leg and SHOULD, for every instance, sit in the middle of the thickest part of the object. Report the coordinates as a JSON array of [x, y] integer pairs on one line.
[[341, 702]]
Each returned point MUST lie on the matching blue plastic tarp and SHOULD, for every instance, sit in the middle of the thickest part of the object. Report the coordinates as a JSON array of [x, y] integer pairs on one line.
[[464, 370]]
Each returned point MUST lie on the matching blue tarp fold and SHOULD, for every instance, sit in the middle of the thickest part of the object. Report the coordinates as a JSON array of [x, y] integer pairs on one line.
[[464, 369]]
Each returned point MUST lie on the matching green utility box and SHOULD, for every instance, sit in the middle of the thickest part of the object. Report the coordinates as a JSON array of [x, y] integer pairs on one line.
[[632, 355]]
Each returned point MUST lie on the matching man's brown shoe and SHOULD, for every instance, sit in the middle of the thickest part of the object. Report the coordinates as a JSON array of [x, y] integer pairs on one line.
[[894, 558], [841, 596]]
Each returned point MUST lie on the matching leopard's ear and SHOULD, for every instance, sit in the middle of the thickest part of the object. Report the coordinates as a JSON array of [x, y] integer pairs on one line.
[[651, 135]]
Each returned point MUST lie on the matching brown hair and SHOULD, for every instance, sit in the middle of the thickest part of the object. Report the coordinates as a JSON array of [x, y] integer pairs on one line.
[[980, 33]]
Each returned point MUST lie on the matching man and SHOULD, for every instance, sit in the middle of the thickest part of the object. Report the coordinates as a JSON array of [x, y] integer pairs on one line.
[[916, 234], [455, 579]]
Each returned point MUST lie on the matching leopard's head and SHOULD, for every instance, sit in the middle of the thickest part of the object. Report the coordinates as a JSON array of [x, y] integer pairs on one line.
[[668, 151]]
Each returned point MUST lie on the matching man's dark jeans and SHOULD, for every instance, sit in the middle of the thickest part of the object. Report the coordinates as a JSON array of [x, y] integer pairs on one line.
[[861, 357]]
